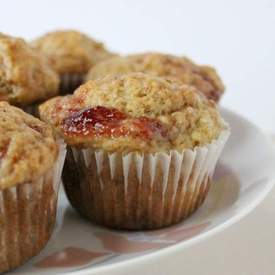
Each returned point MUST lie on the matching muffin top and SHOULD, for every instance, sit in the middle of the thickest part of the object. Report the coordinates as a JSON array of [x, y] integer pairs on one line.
[[25, 75], [204, 78], [70, 51], [27, 147], [134, 112]]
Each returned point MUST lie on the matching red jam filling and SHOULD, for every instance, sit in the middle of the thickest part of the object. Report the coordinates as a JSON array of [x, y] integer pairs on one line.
[[109, 122]]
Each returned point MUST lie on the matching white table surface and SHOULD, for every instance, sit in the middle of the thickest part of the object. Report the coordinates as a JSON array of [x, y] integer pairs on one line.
[[246, 248]]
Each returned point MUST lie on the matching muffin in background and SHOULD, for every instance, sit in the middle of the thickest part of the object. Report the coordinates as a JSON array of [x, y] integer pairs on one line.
[[204, 78], [141, 149], [31, 162], [25, 75], [72, 54]]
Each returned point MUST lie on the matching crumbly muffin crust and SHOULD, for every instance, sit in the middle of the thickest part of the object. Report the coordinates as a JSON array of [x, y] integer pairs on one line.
[[204, 78], [27, 147], [134, 112], [25, 75], [70, 51]]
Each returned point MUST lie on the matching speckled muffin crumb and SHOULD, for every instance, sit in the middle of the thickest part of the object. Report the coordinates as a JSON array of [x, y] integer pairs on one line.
[[25, 75], [27, 147], [134, 112], [204, 78], [70, 51]]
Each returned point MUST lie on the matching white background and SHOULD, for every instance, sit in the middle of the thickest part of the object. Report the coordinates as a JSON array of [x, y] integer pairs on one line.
[[237, 37]]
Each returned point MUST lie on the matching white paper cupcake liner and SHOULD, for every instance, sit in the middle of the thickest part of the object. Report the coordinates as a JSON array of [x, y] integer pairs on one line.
[[69, 82], [136, 191], [27, 216]]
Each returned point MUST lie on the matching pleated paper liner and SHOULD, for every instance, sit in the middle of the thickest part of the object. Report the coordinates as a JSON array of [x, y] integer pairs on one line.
[[70, 82], [27, 216], [136, 191]]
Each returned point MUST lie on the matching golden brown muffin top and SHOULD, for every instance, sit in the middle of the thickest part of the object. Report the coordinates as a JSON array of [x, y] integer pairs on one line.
[[134, 112], [25, 75], [27, 147], [204, 78], [70, 51]]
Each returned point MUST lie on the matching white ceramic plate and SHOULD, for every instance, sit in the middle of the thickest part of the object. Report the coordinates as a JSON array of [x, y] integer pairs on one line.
[[243, 178]]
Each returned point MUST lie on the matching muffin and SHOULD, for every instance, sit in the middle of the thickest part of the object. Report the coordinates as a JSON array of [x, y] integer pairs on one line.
[[141, 149], [204, 78], [25, 75], [30, 170], [71, 54]]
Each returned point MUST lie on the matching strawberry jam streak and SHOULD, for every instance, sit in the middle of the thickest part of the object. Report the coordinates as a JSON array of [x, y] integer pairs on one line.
[[109, 122]]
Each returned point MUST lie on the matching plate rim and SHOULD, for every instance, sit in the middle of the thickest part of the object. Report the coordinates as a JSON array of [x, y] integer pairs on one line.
[[126, 263]]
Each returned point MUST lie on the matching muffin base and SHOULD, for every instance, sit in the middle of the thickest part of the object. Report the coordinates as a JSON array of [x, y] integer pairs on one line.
[[27, 217], [138, 192]]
